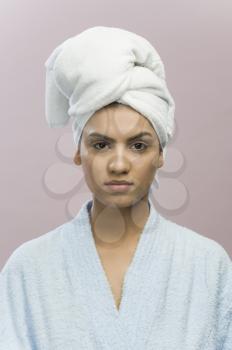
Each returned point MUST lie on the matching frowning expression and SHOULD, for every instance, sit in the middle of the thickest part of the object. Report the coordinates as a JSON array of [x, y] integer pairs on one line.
[[118, 143]]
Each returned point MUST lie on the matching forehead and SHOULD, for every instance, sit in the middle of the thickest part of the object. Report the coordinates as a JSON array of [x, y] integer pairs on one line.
[[118, 120]]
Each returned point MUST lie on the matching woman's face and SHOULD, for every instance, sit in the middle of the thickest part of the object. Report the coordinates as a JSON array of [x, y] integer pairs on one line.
[[116, 156]]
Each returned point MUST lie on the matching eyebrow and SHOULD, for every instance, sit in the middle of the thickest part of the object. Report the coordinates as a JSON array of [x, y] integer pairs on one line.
[[95, 134]]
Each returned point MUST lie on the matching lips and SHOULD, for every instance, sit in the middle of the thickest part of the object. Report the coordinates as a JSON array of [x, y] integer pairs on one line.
[[122, 186], [119, 183]]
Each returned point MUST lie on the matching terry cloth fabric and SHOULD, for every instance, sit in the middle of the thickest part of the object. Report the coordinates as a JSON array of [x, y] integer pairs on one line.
[[102, 65], [54, 293]]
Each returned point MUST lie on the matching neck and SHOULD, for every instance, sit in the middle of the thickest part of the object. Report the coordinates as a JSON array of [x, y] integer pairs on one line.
[[114, 226]]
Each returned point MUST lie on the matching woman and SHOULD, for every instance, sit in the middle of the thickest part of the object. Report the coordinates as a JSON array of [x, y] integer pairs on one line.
[[118, 212], [118, 275]]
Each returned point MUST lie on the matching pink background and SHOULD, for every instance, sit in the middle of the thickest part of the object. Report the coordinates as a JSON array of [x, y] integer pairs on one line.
[[194, 42]]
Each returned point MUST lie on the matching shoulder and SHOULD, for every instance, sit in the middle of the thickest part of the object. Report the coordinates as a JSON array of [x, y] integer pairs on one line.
[[36, 251], [205, 256], [195, 241]]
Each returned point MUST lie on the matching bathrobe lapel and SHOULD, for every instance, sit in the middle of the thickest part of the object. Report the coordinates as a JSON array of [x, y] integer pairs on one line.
[[114, 329]]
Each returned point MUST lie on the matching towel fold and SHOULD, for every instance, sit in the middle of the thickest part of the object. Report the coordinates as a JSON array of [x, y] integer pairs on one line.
[[102, 65]]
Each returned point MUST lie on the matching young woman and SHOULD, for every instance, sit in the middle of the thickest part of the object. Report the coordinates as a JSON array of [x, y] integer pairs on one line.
[[129, 151], [118, 275]]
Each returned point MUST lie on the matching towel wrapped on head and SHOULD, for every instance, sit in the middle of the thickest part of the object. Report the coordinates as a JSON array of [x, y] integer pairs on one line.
[[102, 65]]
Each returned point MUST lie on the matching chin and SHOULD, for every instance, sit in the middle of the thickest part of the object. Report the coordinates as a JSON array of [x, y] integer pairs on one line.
[[121, 200]]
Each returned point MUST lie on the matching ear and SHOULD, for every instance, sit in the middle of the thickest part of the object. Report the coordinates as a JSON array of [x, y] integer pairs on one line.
[[77, 158], [161, 159]]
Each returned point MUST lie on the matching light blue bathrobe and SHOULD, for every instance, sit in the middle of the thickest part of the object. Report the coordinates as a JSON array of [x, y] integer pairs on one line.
[[177, 292]]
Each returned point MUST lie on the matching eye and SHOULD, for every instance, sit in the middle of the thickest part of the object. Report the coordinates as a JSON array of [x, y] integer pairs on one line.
[[140, 143], [98, 143], [105, 143]]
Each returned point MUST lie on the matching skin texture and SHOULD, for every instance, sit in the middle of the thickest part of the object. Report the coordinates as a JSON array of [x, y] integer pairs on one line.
[[118, 218]]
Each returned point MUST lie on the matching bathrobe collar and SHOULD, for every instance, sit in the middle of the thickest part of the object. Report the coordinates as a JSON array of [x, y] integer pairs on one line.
[[118, 328]]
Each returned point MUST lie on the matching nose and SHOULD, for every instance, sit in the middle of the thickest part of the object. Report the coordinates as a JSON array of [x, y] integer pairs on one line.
[[119, 163]]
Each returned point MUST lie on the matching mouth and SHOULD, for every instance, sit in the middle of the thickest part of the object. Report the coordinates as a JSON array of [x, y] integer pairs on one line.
[[116, 182], [119, 187]]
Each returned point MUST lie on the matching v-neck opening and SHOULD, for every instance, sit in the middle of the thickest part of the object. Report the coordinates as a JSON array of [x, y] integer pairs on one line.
[[91, 286], [136, 258]]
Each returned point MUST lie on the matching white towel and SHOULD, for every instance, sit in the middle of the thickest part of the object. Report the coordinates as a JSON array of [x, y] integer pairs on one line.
[[102, 65]]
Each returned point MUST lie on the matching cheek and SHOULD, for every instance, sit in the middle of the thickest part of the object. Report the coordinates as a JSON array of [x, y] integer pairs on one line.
[[146, 169], [93, 168], [146, 163], [154, 160]]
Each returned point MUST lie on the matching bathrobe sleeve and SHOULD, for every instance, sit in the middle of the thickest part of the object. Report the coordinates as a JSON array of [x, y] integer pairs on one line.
[[15, 330], [227, 343], [224, 325]]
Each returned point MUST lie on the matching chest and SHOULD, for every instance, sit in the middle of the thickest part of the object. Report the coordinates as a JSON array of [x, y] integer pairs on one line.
[[115, 264]]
